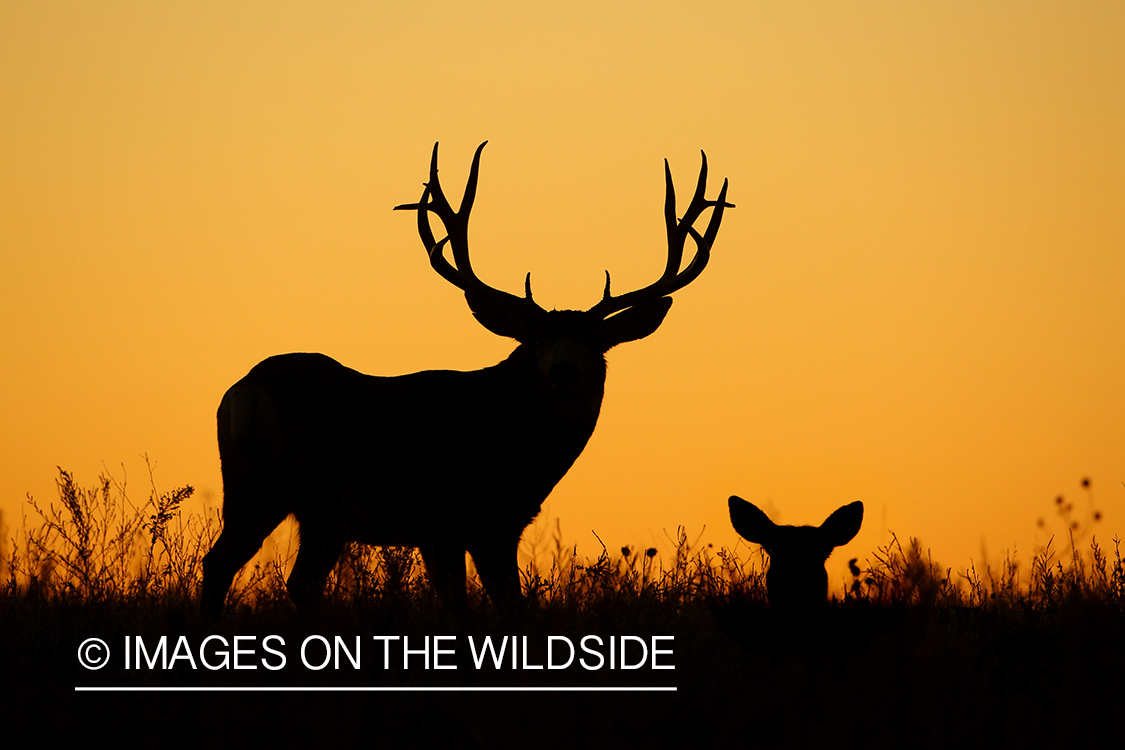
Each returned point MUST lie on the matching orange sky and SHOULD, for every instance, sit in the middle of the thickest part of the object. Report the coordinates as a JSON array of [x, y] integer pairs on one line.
[[917, 303]]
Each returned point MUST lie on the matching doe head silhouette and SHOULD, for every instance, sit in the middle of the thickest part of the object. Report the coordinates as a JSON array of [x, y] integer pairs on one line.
[[796, 578]]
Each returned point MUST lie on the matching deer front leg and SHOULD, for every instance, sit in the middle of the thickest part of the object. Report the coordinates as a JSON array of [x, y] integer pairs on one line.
[[320, 549], [445, 567]]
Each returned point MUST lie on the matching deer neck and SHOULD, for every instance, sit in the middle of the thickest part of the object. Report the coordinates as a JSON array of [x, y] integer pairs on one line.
[[566, 398]]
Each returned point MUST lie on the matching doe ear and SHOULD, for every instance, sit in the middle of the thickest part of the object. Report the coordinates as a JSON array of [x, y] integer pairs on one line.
[[751, 523], [498, 317], [635, 322], [842, 526]]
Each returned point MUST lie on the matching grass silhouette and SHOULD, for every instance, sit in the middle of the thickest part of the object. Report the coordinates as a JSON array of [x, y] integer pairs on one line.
[[907, 652]]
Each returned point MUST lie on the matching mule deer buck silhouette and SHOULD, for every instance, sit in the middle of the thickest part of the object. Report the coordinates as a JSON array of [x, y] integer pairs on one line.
[[796, 578], [448, 462]]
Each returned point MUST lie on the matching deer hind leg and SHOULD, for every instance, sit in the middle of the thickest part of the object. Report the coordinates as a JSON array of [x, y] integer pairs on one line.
[[242, 536], [445, 567], [319, 550], [499, 571]]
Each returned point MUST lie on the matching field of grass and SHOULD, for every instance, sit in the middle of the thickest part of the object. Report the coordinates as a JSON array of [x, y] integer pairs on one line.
[[911, 655]]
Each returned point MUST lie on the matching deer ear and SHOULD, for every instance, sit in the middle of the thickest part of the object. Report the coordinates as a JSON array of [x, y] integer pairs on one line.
[[842, 526], [498, 317], [751, 524], [634, 323]]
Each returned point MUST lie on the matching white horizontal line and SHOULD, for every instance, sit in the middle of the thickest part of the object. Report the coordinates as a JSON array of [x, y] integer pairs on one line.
[[373, 689]]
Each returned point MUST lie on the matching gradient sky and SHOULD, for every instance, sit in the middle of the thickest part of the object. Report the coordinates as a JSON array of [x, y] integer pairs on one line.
[[919, 301]]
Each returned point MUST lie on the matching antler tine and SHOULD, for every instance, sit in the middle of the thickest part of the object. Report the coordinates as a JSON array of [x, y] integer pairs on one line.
[[720, 205], [678, 231], [471, 183], [461, 249], [675, 252], [704, 243]]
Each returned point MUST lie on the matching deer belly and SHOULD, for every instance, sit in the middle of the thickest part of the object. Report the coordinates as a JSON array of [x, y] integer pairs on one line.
[[421, 515]]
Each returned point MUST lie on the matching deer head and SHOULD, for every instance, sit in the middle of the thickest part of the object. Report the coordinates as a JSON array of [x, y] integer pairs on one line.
[[796, 578], [567, 345]]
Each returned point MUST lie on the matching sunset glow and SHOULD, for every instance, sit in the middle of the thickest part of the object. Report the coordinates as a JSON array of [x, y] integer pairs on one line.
[[917, 303]]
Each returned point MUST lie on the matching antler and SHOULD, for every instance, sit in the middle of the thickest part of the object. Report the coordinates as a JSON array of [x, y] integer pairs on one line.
[[678, 232], [456, 224]]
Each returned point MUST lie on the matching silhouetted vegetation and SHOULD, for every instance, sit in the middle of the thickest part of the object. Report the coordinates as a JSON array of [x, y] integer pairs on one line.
[[910, 652]]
